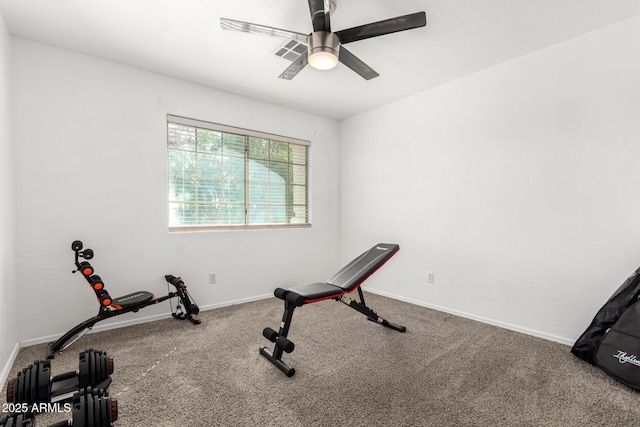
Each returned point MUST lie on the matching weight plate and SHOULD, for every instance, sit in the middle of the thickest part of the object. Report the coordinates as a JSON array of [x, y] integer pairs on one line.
[[44, 371], [89, 409], [94, 367], [99, 367], [20, 395], [83, 370], [33, 386], [89, 356], [80, 413], [27, 384], [105, 408], [102, 410], [103, 367], [96, 412]]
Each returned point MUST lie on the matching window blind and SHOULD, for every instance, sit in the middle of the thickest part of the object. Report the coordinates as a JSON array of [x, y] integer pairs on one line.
[[221, 176]]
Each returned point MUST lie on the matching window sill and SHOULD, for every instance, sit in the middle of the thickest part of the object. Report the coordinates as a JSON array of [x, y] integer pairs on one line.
[[234, 227]]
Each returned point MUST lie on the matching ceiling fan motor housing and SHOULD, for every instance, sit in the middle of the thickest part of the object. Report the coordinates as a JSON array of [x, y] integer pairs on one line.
[[323, 50]]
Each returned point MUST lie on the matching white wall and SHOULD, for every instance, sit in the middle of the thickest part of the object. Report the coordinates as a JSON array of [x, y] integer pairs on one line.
[[91, 165], [517, 186], [8, 324]]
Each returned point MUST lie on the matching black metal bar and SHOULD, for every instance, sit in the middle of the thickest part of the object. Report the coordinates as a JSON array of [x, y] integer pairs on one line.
[[103, 313], [275, 356], [389, 325], [361, 295], [289, 371], [284, 327], [371, 315]]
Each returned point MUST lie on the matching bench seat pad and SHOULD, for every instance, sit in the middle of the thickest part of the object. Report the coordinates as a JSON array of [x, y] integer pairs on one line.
[[130, 300], [317, 291]]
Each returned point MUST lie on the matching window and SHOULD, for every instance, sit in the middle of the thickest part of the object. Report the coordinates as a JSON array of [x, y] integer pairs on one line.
[[225, 177]]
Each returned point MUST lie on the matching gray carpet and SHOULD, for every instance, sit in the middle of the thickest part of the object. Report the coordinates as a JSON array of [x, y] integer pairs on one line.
[[444, 371]]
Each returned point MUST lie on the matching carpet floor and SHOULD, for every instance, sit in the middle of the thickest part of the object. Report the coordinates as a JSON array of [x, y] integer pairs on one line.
[[444, 371]]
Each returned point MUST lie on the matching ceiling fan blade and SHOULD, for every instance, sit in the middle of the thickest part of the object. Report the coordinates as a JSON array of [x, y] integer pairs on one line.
[[353, 62], [247, 27], [380, 28], [320, 15], [295, 67]]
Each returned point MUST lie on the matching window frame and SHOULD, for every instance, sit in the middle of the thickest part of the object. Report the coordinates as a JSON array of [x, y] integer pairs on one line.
[[247, 134]]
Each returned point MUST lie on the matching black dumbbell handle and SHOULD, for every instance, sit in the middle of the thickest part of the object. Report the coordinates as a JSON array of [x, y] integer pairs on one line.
[[65, 376]]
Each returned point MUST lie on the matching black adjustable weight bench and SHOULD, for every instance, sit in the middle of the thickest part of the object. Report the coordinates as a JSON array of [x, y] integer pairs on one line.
[[343, 282]]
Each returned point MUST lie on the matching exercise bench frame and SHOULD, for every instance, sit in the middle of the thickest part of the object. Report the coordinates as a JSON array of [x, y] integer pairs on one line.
[[345, 281], [115, 307]]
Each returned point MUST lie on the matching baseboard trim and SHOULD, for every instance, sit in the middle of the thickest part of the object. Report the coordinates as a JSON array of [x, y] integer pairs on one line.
[[6, 369], [138, 320], [482, 319]]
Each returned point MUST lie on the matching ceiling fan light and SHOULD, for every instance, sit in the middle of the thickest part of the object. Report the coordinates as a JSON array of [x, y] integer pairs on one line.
[[323, 60], [323, 50]]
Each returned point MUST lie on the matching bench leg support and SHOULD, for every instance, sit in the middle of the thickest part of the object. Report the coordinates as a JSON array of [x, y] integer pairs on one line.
[[288, 370], [371, 315], [282, 344]]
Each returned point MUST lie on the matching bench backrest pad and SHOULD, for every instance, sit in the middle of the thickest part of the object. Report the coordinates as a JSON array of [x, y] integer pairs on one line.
[[357, 271]]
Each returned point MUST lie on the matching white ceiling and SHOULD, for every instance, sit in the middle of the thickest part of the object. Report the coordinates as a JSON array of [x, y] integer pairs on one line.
[[183, 39]]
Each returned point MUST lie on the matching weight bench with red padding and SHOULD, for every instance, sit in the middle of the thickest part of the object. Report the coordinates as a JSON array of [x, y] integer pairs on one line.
[[343, 282]]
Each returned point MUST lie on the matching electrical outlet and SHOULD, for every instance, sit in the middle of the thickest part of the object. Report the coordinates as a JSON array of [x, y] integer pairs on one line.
[[212, 278], [431, 277]]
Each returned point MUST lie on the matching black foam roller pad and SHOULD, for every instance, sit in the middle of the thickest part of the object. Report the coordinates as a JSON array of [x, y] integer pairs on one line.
[[280, 293]]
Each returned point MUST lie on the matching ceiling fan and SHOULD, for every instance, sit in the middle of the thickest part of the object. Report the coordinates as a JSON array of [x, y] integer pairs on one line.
[[324, 48]]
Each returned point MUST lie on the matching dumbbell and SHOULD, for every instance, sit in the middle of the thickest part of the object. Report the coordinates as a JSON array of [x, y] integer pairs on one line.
[[34, 384], [17, 420], [91, 408]]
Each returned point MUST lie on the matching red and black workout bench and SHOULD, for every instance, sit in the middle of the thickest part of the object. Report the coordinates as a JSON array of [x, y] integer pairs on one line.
[[343, 282]]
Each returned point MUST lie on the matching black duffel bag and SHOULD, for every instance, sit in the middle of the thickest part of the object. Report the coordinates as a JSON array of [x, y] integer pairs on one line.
[[618, 353], [612, 340]]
